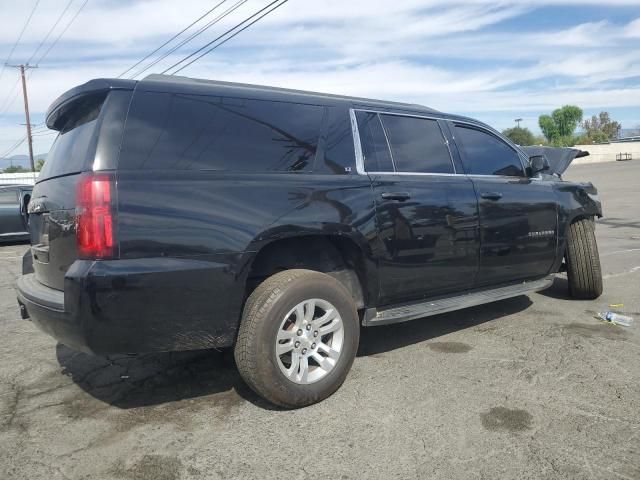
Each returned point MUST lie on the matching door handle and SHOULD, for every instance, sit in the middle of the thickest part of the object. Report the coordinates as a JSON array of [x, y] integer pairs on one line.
[[491, 195], [401, 196]]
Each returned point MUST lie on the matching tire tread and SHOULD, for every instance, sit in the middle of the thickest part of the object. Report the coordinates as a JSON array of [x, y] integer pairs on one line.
[[257, 308], [583, 262]]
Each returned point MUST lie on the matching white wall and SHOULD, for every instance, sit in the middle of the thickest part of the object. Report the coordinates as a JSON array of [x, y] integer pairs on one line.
[[18, 178], [606, 152]]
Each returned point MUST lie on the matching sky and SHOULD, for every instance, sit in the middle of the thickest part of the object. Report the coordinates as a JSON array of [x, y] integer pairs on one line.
[[490, 59]]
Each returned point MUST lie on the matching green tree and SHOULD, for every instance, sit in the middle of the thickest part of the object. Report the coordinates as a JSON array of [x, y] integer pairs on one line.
[[520, 136], [600, 128], [39, 164], [548, 127], [15, 169], [558, 127]]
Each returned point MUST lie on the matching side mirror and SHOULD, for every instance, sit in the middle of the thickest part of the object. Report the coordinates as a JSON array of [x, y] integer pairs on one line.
[[538, 163]]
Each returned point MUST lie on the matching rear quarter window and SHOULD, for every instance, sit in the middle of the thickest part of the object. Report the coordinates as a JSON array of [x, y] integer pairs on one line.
[[339, 152], [195, 132]]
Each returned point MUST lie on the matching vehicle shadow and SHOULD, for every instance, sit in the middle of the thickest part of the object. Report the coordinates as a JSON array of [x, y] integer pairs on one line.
[[618, 223], [133, 381], [128, 382], [559, 289], [376, 340]]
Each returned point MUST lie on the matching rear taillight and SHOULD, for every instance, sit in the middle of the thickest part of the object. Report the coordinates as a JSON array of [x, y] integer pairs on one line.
[[95, 216]]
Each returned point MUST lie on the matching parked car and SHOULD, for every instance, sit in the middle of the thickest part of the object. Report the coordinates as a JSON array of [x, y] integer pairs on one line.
[[13, 212], [177, 214]]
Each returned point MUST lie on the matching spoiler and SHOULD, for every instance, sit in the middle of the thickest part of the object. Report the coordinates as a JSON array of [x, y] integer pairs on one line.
[[93, 87], [559, 157]]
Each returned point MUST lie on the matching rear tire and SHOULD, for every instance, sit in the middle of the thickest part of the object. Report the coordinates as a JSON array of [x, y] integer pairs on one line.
[[583, 261], [286, 367]]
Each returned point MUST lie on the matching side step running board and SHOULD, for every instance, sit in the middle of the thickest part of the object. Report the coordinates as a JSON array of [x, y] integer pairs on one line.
[[403, 313]]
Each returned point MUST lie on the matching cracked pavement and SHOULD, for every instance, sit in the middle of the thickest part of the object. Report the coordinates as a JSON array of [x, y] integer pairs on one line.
[[532, 387]]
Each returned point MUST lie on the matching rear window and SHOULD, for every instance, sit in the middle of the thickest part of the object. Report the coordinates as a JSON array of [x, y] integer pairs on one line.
[[71, 150], [194, 132]]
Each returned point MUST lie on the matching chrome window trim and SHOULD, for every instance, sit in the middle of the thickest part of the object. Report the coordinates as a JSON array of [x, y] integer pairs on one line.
[[428, 117], [446, 141], [386, 137], [418, 174], [444, 137], [360, 158], [472, 175], [356, 143]]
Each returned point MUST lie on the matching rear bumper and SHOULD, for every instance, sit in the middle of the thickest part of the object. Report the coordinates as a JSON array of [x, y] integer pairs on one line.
[[45, 307], [136, 306]]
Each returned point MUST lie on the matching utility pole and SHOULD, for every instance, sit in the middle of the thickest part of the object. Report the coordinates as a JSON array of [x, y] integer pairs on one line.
[[22, 68], [517, 120]]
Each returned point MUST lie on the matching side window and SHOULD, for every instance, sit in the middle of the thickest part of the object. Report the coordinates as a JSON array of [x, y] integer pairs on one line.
[[485, 154], [339, 155], [417, 145], [192, 132], [8, 197], [375, 150]]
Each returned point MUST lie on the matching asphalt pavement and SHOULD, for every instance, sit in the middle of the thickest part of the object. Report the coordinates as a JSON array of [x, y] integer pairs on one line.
[[532, 387]]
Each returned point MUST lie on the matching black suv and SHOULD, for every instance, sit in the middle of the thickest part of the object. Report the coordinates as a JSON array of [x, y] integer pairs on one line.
[[176, 214]]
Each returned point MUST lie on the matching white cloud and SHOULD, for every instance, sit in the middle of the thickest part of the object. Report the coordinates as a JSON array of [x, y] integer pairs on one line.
[[632, 30], [443, 53]]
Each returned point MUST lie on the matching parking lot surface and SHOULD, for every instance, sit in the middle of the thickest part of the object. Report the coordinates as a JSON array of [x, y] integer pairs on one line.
[[532, 387]]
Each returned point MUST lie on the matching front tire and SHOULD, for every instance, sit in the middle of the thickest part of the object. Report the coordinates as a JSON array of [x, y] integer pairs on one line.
[[298, 338], [583, 261]]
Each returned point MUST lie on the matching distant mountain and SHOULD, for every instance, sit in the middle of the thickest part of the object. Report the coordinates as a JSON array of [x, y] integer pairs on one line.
[[19, 160]]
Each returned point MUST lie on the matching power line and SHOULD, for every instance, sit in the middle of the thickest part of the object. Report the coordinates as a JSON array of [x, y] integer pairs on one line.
[[9, 99], [29, 136], [228, 11], [27, 117], [64, 30], [171, 39], [33, 10], [12, 148], [44, 40], [39, 129], [223, 35]]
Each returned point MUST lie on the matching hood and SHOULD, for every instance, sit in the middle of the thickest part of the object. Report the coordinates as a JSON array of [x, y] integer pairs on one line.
[[559, 157]]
